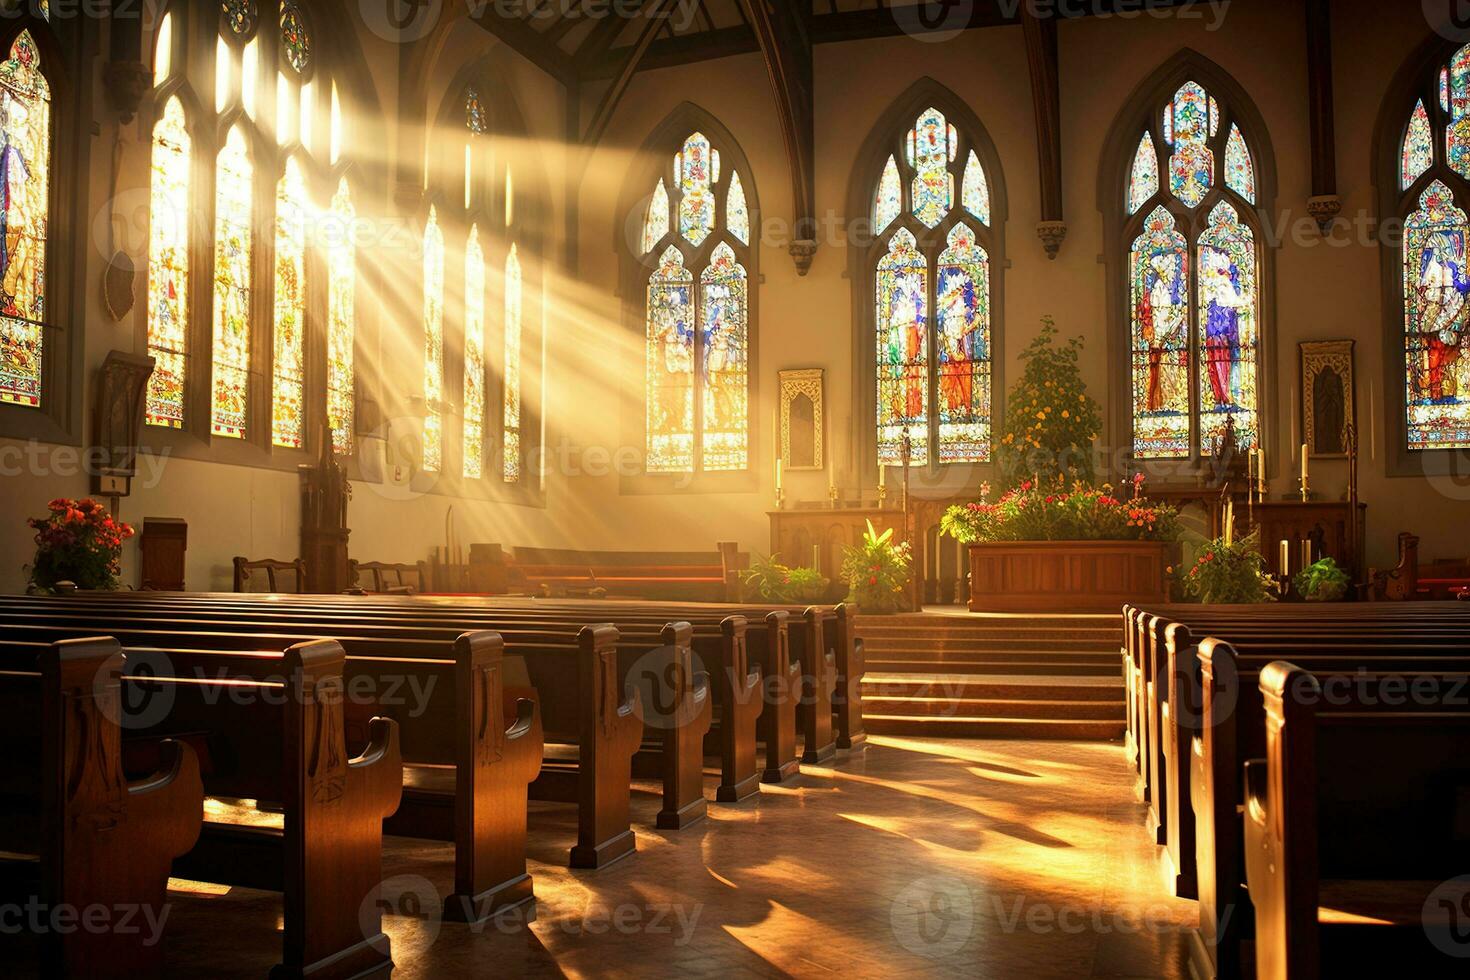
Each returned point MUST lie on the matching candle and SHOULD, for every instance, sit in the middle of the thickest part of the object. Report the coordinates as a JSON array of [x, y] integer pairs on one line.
[[1261, 471], [1304, 467], [817, 558], [882, 475], [1229, 522], [778, 474], [1285, 557], [1306, 552]]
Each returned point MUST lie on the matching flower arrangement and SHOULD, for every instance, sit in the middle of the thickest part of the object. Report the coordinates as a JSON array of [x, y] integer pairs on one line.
[[1050, 420], [79, 542], [1229, 571], [1321, 582], [772, 581], [877, 572], [1032, 512]]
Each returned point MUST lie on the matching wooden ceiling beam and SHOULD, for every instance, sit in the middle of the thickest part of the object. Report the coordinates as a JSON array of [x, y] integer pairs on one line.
[[1324, 205], [518, 35], [1046, 101], [656, 14]]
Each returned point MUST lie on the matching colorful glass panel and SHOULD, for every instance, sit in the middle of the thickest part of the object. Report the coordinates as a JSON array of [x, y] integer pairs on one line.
[[239, 16], [698, 168], [1457, 133], [889, 202], [1192, 166], [25, 182], [656, 223], [511, 414], [1417, 155], [1240, 172], [1436, 285], [233, 219], [724, 362], [737, 212], [474, 112], [962, 316], [433, 444], [474, 357], [168, 268], [1228, 329], [342, 320], [903, 351], [975, 191], [931, 148], [288, 378], [1143, 179], [1444, 89], [295, 38], [1159, 278], [670, 366]]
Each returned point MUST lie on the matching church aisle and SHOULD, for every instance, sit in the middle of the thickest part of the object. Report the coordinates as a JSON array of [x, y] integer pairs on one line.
[[921, 857]]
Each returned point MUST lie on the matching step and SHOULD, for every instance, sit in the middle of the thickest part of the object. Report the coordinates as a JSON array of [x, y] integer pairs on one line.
[[1029, 728], [989, 666], [998, 687], [980, 644], [929, 655], [945, 707], [1110, 637]]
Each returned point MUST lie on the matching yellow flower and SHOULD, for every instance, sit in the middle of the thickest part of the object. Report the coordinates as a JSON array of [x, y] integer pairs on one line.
[[1066, 414]]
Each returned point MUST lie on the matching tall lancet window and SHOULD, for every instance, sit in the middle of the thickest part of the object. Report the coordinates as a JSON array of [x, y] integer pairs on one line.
[[511, 419], [25, 168], [433, 441], [1194, 267], [474, 357], [931, 281], [696, 247]]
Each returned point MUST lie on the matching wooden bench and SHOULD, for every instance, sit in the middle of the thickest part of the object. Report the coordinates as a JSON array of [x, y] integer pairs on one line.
[[388, 577], [100, 841], [1355, 828], [695, 576], [1410, 580], [272, 571]]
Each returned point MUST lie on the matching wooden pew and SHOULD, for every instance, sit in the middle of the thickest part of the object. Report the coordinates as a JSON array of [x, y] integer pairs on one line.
[[1411, 580], [100, 840], [1355, 823], [695, 576], [273, 570], [388, 577]]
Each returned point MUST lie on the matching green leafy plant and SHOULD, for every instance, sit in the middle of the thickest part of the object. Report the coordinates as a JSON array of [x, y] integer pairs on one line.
[[877, 572], [1050, 420], [78, 541], [1035, 513], [771, 581], [1231, 573], [1321, 582]]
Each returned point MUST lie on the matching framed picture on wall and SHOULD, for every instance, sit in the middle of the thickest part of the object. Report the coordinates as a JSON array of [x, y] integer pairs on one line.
[[1329, 406], [799, 419]]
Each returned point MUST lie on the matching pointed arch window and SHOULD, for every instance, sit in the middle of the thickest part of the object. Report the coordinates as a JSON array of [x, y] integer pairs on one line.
[[168, 267], [474, 356], [511, 418], [932, 298], [25, 176], [288, 389], [234, 214], [1194, 267], [433, 439], [697, 318], [341, 318]]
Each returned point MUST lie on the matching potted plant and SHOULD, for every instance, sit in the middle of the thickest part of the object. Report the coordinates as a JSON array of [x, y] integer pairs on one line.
[[78, 545], [1050, 420], [1229, 571], [877, 573], [1321, 582], [772, 581]]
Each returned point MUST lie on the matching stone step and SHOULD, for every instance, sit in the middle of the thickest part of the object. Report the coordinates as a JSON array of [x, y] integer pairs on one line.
[[1031, 728], [1001, 687], [1058, 667], [950, 707]]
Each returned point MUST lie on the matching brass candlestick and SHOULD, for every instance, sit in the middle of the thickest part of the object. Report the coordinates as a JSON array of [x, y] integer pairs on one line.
[[882, 497], [780, 499], [1306, 489], [832, 495]]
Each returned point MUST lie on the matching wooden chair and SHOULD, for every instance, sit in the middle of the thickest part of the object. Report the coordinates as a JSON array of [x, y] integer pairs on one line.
[[390, 577], [245, 570]]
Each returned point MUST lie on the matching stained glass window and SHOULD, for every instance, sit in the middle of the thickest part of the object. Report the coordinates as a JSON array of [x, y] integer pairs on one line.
[[975, 191], [474, 112], [288, 379], [1159, 278], [737, 214], [1457, 134], [25, 178], [341, 319], [433, 445], [239, 16], [1143, 180], [1417, 154], [295, 38], [233, 214], [1436, 285], [474, 357], [698, 168], [670, 366], [931, 147], [888, 204], [656, 224], [168, 268], [1192, 166], [903, 351], [723, 361], [163, 50], [962, 312], [1240, 173], [1444, 89], [1229, 331], [511, 421]]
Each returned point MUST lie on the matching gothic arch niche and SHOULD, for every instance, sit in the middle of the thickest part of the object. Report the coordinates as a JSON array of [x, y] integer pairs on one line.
[[688, 240], [1178, 369], [897, 185], [1421, 161]]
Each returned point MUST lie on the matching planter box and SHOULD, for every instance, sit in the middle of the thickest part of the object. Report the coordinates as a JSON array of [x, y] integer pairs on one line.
[[1066, 576]]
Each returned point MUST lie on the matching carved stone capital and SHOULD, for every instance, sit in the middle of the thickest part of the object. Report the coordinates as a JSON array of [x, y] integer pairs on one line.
[[127, 81], [1324, 210], [803, 250], [1052, 234]]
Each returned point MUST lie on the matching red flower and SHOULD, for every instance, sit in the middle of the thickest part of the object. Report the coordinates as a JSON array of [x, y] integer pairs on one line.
[[873, 580]]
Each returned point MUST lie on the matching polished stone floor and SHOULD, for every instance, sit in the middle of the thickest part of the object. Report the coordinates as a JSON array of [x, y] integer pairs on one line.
[[915, 857]]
